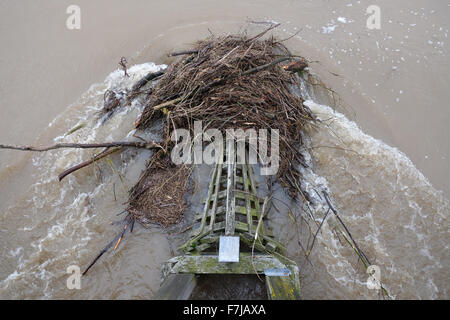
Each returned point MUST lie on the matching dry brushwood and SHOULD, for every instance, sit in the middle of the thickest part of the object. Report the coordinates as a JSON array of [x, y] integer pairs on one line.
[[230, 82], [233, 82], [161, 197]]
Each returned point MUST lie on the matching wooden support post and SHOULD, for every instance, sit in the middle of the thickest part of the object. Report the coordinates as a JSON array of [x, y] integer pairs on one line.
[[231, 175], [247, 198], [216, 193], [208, 199], [282, 288], [176, 287], [253, 187]]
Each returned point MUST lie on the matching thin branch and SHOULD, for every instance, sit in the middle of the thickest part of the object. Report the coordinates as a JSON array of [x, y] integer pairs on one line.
[[345, 227], [101, 155], [265, 66], [290, 37], [317, 232], [180, 53], [168, 103], [150, 76], [259, 35], [129, 221], [133, 144]]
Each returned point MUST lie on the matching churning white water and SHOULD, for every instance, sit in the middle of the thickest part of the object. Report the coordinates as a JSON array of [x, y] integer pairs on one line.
[[398, 219]]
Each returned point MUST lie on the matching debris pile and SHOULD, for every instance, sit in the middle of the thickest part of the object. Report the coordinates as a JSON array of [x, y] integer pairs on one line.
[[227, 82]]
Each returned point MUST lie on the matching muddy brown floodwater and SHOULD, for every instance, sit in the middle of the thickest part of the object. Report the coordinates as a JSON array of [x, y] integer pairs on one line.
[[393, 191]]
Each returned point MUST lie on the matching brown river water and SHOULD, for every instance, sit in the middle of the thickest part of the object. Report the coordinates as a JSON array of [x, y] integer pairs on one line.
[[382, 154]]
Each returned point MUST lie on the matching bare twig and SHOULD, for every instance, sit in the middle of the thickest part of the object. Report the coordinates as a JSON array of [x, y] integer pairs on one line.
[[123, 65], [150, 76], [259, 35], [101, 155], [317, 232], [180, 53], [265, 66], [343, 224], [128, 221], [132, 144]]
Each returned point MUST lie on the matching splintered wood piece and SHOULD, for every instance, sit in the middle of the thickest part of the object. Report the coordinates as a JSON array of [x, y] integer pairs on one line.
[[296, 66]]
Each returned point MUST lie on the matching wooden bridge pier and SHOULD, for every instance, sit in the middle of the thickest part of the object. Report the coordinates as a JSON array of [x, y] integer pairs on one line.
[[229, 237]]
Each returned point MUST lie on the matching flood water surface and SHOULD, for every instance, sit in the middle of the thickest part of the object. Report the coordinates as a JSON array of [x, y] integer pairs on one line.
[[382, 151]]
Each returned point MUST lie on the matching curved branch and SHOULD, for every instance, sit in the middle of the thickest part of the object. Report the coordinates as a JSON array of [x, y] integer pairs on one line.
[[133, 144]]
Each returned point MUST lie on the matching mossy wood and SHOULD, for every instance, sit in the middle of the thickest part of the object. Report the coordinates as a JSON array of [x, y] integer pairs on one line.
[[233, 208]]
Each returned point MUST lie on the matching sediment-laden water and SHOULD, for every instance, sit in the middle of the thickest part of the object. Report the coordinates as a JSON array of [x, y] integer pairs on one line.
[[398, 217]]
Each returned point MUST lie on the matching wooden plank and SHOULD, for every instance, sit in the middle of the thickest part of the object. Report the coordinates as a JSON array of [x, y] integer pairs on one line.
[[211, 238], [282, 288], [239, 226], [176, 287], [231, 183], [209, 264], [239, 195], [212, 212], [238, 180], [210, 192], [202, 247], [253, 187], [222, 210], [271, 246], [247, 198], [249, 239], [198, 232]]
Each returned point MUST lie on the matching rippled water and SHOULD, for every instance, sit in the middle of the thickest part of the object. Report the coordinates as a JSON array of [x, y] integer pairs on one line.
[[398, 218]]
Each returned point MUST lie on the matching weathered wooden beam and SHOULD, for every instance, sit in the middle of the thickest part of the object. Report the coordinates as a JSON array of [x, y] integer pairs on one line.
[[212, 212], [176, 287], [253, 187], [238, 180], [238, 194], [239, 226], [210, 193], [222, 210], [247, 198], [231, 181], [209, 264], [282, 288]]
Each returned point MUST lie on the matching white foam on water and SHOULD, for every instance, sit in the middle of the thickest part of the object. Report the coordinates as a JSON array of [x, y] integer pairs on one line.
[[65, 216], [393, 211]]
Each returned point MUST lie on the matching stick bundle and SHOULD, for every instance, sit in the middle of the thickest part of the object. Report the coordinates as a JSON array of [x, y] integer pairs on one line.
[[229, 82]]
